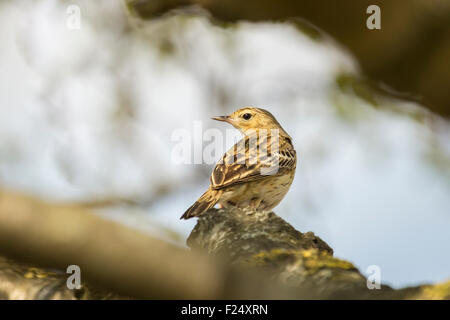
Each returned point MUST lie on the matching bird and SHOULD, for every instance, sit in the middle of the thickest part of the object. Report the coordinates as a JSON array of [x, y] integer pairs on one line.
[[256, 173]]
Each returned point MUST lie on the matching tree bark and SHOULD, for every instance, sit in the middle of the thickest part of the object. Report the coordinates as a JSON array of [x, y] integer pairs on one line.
[[234, 256]]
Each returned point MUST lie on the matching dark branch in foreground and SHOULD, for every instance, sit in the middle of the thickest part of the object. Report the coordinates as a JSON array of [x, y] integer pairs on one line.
[[412, 58], [235, 255]]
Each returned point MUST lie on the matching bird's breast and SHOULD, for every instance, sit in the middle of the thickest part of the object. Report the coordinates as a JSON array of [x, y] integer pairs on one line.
[[260, 195]]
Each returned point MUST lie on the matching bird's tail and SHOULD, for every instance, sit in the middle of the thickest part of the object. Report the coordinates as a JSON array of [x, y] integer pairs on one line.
[[205, 202]]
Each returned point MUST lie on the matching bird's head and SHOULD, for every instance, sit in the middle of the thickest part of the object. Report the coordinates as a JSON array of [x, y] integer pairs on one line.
[[251, 119]]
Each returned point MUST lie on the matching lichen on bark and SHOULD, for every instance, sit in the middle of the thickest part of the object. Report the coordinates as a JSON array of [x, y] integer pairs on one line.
[[266, 242], [241, 235], [269, 259]]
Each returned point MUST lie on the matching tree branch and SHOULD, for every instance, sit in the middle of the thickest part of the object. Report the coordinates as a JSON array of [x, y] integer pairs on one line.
[[410, 53], [234, 256]]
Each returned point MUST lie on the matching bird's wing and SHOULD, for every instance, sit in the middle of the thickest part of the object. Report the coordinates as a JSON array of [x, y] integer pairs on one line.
[[240, 164]]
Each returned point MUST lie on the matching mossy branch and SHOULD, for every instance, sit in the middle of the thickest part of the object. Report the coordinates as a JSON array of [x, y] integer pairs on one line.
[[235, 255]]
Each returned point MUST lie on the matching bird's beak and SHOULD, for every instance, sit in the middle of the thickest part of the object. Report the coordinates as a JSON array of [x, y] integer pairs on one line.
[[222, 118]]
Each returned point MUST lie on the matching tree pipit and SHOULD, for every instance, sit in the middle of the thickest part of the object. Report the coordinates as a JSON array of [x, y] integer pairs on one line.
[[256, 173]]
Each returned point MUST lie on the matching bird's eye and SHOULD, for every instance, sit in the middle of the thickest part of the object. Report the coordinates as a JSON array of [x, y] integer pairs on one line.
[[246, 116]]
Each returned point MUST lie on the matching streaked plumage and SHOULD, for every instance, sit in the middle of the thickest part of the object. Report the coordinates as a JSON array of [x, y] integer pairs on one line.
[[256, 173]]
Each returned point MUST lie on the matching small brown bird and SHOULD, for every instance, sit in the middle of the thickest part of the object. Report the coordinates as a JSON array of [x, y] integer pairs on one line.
[[256, 173]]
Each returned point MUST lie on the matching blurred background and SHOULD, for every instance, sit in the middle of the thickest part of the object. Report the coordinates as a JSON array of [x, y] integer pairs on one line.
[[87, 116]]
